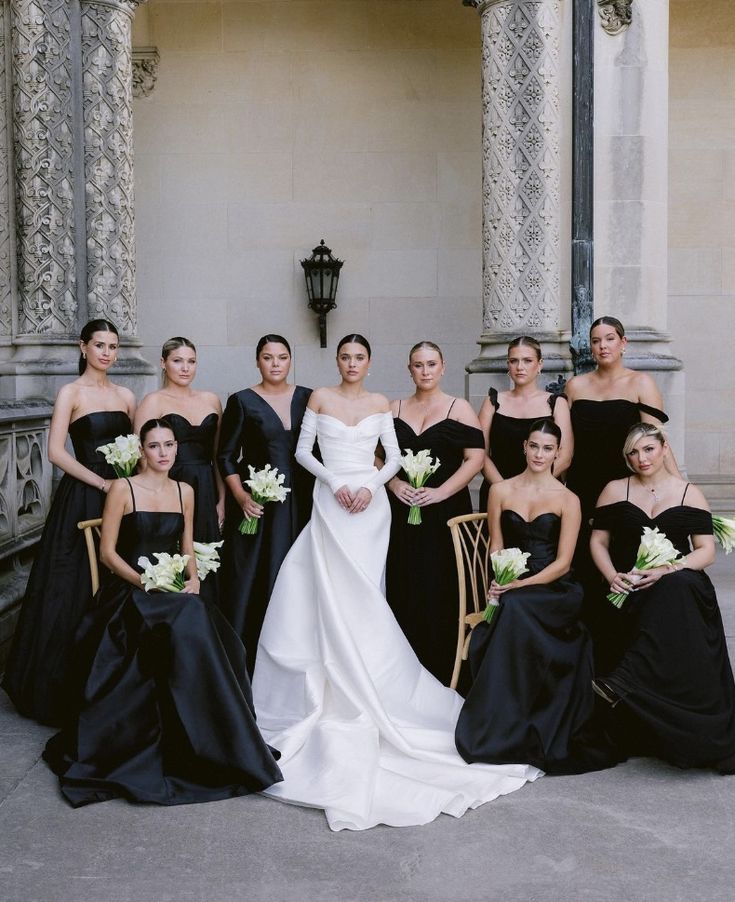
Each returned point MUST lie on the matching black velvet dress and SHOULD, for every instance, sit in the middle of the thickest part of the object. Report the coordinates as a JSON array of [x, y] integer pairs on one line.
[[421, 571], [506, 438], [253, 434], [194, 464], [59, 588], [531, 699], [164, 707], [674, 675]]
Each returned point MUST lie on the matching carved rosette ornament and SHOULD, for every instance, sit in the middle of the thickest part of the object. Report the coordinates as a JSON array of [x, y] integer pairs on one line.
[[44, 152], [6, 240], [616, 15], [108, 160], [521, 165]]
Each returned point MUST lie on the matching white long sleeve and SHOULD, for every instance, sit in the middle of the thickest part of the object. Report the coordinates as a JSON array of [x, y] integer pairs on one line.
[[392, 456], [305, 457]]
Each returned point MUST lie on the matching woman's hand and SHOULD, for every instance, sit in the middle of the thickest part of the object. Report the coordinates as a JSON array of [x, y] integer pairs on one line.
[[191, 586], [647, 578], [403, 491], [220, 509], [496, 590], [425, 496], [361, 500], [251, 508], [344, 497], [623, 582]]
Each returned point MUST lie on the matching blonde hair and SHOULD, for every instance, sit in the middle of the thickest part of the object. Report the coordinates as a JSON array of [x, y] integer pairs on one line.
[[429, 345], [639, 431]]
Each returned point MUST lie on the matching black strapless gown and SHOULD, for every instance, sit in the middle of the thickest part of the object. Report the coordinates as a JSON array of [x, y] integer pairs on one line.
[[59, 587], [421, 572], [165, 711], [531, 699], [674, 674], [194, 464], [506, 438], [253, 434]]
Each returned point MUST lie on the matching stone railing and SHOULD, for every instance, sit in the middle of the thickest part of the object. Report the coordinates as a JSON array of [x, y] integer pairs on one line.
[[25, 495]]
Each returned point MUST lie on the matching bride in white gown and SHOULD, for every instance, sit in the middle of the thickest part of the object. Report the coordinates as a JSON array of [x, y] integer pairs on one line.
[[364, 731]]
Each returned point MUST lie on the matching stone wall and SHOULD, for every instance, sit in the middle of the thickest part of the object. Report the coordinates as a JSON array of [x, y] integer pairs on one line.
[[275, 124], [702, 225]]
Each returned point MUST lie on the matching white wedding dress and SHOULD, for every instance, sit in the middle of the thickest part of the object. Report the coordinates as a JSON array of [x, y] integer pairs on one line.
[[364, 731]]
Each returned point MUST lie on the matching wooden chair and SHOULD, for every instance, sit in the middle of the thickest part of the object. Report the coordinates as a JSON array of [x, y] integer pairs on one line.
[[472, 550], [91, 529]]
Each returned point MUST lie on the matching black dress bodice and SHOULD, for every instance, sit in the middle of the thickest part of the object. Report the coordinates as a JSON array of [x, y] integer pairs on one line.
[[600, 429], [91, 431], [145, 532], [625, 521], [195, 443], [539, 536]]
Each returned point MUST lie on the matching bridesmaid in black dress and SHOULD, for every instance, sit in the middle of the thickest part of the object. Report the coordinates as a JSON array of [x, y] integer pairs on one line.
[[92, 411], [195, 417], [421, 581], [261, 426], [506, 417], [671, 687], [604, 405], [165, 712], [531, 699]]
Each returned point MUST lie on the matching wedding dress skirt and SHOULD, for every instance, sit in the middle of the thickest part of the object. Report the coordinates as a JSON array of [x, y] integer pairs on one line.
[[364, 731]]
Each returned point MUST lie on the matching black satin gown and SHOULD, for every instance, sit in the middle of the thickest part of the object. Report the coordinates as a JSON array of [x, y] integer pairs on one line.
[[252, 434], [421, 571], [673, 672], [600, 429], [59, 587], [531, 698], [194, 464], [164, 707], [506, 438]]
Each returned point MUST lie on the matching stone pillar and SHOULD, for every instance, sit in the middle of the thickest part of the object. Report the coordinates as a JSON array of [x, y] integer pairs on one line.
[[525, 245], [72, 146], [631, 193], [7, 243]]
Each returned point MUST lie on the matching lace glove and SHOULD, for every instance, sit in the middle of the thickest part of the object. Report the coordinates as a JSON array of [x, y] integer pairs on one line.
[[304, 455], [392, 456]]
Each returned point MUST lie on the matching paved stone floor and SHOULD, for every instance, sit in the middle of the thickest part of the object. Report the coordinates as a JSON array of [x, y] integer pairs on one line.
[[643, 831]]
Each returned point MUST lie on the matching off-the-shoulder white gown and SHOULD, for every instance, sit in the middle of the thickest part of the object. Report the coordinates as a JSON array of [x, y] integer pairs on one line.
[[364, 731]]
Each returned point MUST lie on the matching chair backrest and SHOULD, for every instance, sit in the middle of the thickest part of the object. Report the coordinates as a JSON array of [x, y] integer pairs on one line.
[[91, 529], [471, 540]]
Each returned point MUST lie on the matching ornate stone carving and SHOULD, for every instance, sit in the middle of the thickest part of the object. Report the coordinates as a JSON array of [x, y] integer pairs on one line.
[[616, 15], [521, 166], [43, 126], [108, 160], [6, 240], [145, 71]]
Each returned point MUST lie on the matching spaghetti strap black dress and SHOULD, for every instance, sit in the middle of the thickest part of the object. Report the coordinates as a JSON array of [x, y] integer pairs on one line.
[[164, 708], [421, 572], [252, 434], [195, 465], [531, 698], [673, 677], [59, 587], [506, 438]]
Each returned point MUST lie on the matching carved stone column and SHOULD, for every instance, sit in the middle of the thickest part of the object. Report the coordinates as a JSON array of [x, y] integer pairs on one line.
[[7, 244], [522, 206], [72, 137]]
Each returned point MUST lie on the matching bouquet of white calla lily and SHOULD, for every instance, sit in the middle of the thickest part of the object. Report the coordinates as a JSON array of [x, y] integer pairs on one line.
[[166, 575], [123, 454], [265, 485], [207, 558], [508, 564], [418, 467], [655, 550], [724, 530]]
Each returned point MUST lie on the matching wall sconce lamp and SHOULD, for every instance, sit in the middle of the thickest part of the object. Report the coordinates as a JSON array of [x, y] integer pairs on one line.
[[321, 272]]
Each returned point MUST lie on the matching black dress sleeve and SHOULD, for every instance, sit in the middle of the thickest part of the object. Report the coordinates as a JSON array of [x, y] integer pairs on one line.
[[472, 437], [492, 393], [654, 412], [605, 517], [230, 437]]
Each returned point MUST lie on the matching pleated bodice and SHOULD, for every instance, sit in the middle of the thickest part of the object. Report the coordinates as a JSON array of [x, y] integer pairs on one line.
[[94, 429], [143, 532], [195, 443], [539, 536]]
